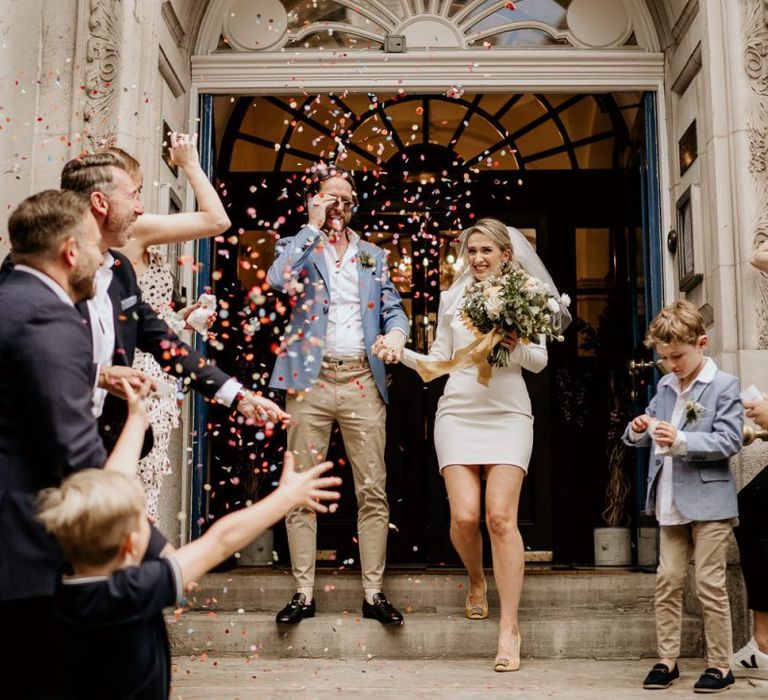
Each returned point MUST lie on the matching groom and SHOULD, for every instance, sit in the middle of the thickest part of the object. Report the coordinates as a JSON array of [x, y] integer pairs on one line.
[[346, 322]]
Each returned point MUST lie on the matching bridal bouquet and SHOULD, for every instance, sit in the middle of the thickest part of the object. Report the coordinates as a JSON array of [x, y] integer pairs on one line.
[[513, 301]]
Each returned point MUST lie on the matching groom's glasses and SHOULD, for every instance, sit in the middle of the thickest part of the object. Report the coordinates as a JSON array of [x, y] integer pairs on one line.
[[345, 202]]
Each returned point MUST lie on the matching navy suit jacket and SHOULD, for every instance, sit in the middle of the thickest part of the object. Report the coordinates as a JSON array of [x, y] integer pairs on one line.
[[47, 429], [138, 326]]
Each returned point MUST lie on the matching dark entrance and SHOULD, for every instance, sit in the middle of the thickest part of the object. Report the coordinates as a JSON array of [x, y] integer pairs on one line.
[[565, 169]]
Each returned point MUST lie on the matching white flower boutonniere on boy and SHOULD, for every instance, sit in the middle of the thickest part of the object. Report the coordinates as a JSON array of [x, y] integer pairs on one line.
[[366, 259], [693, 411]]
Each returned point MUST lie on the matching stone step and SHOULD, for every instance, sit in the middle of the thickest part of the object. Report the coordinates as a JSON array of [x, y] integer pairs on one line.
[[269, 590], [552, 634]]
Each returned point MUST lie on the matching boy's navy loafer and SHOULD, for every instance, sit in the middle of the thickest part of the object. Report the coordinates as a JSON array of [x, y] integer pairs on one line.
[[661, 677], [713, 681]]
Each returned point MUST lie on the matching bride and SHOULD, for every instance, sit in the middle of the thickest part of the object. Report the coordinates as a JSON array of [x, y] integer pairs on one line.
[[485, 433]]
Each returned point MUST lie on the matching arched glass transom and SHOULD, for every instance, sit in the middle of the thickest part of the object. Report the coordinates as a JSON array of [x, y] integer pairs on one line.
[[402, 25], [460, 132]]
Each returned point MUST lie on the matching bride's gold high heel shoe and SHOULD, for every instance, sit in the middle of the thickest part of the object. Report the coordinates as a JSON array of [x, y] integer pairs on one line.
[[502, 664], [477, 611]]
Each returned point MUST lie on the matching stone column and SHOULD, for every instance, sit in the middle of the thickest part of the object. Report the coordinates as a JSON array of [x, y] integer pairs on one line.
[[753, 209]]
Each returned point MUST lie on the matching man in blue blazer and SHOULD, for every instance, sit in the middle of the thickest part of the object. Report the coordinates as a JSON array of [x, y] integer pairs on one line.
[[346, 323]]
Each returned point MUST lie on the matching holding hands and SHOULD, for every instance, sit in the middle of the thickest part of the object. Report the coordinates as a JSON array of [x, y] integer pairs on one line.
[[389, 348], [662, 433], [113, 378], [261, 410]]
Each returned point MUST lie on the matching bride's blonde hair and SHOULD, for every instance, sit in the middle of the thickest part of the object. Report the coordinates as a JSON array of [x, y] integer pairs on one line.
[[493, 229]]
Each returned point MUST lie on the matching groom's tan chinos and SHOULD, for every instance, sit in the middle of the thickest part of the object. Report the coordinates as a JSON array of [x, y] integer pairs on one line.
[[345, 392]]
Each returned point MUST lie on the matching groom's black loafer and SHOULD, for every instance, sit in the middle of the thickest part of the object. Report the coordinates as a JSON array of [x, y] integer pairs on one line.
[[661, 677], [296, 610], [382, 610], [713, 681]]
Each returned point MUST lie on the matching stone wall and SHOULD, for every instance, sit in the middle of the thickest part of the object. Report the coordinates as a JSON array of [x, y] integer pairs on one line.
[[39, 84]]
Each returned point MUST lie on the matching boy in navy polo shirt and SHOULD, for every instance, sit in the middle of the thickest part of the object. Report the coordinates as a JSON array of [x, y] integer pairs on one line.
[[109, 633]]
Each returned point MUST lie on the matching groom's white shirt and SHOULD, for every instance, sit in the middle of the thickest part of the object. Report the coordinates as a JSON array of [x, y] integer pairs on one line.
[[345, 334], [345, 321]]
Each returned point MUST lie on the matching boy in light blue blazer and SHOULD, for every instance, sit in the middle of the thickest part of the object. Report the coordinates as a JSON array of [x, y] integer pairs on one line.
[[693, 424]]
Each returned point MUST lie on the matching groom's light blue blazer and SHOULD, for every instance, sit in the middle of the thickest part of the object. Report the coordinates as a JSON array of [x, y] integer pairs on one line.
[[703, 487], [300, 270]]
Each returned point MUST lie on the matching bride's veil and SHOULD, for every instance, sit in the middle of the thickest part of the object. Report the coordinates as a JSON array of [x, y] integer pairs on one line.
[[526, 257]]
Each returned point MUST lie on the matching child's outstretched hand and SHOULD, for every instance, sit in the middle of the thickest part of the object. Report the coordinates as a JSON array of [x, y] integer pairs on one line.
[[641, 423], [307, 488]]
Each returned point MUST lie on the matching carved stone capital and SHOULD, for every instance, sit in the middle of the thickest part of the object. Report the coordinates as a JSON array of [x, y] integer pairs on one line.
[[102, 70], [755, 35]]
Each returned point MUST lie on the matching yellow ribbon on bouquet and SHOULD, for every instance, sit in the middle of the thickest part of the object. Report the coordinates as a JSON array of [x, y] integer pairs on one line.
[[474, 354]]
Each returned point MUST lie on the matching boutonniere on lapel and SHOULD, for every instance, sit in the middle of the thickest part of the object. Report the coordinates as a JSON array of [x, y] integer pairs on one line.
[[366, 260], [693, 411]]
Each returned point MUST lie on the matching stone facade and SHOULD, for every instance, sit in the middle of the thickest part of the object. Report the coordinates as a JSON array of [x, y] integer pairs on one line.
[[76, 72]]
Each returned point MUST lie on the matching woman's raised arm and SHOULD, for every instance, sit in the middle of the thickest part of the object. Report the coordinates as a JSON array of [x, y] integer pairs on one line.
[[211, 218]]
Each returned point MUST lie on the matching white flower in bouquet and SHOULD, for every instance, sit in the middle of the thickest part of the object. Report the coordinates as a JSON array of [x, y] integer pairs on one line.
[[552, 305], [495, 302]]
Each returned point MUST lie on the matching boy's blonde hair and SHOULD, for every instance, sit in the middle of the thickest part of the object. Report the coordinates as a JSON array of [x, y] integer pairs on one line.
[[91, 513], [680, 322]]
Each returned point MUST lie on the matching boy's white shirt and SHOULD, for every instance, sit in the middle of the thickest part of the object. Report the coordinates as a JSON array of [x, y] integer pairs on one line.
[[666, 512]]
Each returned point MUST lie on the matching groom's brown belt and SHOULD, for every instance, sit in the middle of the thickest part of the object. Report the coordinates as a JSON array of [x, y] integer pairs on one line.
[[339, 361]]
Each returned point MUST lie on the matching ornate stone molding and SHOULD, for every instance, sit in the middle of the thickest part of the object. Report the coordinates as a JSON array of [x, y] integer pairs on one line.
[[102, 69], [756, 67]]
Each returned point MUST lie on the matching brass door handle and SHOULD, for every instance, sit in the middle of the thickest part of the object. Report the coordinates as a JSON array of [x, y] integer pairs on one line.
[[637, 366], [750, 435]]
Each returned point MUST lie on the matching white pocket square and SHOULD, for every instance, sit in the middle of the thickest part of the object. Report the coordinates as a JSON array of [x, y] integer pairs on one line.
[[128, 302]]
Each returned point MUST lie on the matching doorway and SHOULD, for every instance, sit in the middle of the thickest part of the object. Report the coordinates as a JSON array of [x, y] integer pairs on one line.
[[569, 170]]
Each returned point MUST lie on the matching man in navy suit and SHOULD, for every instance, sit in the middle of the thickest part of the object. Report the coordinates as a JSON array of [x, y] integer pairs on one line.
[[47, 428]]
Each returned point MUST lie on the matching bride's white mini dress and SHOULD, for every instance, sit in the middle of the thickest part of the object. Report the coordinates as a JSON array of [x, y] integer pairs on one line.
[[478, 424]]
